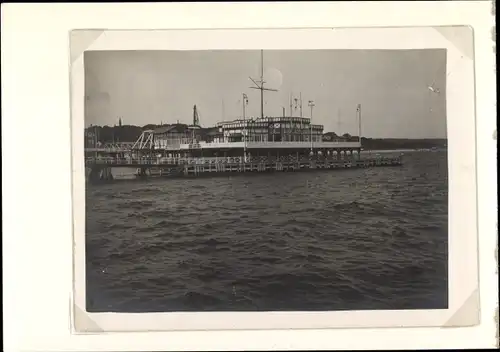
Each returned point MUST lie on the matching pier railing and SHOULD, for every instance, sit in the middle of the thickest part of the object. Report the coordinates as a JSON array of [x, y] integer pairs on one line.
[[222, 160], [267, 145], [127, 147]]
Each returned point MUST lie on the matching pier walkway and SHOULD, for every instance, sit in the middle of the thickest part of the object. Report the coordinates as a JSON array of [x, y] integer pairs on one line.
[[101, 169], [144, 162]]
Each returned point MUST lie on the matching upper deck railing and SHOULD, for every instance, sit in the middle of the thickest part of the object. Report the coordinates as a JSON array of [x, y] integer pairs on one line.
[[112, 148], [224, 160], [269, 145]]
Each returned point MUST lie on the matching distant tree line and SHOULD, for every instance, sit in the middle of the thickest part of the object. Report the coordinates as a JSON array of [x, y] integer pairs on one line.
[[401, 143]]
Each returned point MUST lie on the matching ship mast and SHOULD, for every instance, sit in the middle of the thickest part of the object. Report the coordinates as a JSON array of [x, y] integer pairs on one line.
[[358, 110], [196, 123], [300, 98], [260, 84], [196, 119]]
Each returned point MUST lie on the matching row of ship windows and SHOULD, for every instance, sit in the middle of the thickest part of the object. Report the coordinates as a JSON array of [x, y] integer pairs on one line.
[[263, 134], [266, 127], [265, 138], [268, 120], [282, 132], [262, 138]]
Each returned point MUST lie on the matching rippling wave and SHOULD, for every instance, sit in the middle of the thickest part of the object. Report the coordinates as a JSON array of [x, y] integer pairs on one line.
[[340, 240]]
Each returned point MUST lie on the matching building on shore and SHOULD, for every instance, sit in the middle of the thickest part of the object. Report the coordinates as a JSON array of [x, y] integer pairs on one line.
[[268, 136], [171, 136], [271, 129]]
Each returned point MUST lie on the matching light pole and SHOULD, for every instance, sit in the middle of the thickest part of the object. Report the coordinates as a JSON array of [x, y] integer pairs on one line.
[[245, 102], [358, 111], [96, 140], [311, 105]]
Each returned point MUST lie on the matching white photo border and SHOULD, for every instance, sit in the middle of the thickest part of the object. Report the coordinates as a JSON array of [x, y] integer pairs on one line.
[[463, 285]]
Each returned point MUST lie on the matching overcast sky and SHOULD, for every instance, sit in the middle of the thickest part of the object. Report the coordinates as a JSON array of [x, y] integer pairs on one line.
[[392, 86]]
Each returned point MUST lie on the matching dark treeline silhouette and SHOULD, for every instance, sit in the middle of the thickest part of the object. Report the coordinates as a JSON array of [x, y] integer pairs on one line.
[[130, 133], [402, 143]]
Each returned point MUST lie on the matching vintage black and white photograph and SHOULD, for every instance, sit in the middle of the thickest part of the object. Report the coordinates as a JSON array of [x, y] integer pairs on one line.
[[266, 180], [273, 180]]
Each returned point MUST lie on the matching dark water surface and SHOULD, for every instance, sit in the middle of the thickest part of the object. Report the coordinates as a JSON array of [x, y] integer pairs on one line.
[[329, 240]]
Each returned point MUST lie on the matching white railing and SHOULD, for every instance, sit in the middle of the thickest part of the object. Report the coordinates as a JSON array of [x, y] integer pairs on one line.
[[271, 145], [110, 148], [227, 160]]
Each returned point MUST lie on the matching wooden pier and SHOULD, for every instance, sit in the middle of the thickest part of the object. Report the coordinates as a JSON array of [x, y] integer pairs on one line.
[[287, 166], [100, 170]]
